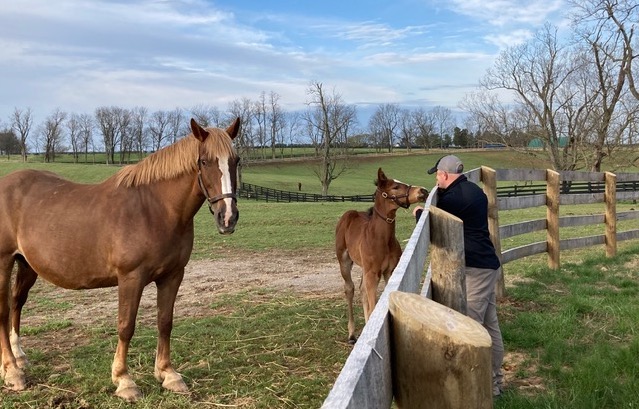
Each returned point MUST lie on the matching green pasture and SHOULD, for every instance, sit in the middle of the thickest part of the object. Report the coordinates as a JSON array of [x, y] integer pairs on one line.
[[570, 335]]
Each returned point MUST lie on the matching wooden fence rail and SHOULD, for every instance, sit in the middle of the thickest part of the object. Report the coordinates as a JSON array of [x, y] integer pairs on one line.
[[366, 378]]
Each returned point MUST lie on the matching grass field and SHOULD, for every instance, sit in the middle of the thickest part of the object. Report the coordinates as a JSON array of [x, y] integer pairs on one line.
[[570, 335]]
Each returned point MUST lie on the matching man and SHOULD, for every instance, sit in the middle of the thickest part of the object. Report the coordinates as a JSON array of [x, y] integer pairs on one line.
[[464, 199]]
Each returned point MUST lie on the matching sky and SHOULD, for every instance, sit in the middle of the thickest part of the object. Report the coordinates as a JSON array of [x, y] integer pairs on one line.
[[77, 55]]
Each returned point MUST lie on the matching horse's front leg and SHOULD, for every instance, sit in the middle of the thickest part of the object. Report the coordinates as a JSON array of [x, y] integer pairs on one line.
[[25, 279], [164, 372], [129, 294]]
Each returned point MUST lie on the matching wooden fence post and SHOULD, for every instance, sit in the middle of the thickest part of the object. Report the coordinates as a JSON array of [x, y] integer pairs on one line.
[[610, 218], [441, 358], [447, 259], [489, 179], [552, 218]]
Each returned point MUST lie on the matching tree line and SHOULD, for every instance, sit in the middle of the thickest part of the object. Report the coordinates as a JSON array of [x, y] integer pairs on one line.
[[329, 125]]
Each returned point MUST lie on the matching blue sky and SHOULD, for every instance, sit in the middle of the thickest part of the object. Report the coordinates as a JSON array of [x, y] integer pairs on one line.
[[79, 55]]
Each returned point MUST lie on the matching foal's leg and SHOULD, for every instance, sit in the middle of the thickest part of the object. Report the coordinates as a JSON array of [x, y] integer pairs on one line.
[[164, 371], [129, 294], [370, 281], [25, 279], [345, 267], [13, 376]]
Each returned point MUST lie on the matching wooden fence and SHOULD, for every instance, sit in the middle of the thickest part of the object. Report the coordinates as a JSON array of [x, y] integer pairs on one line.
[[254, 192], [366, 378]]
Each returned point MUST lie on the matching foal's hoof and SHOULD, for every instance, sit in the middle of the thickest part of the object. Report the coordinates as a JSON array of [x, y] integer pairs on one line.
[[352, 339]]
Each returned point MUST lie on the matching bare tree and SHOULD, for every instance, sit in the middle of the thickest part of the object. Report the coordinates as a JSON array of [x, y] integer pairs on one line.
[[424, 124], [244, 140], [385, 123], [408, 129], [51, 133], [606, 29], [110, 121], [330, 119], [276, 121], [443, 120], [75, 135], [176, 124], [86, 125], [207, 115], [610, 25], [259, 114], [158, 129], [137, 130], [294, 128], [21, 122]]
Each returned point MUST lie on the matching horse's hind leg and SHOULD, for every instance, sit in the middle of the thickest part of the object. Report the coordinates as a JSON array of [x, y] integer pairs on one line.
[[25, 278], [13, 376], [345, 267], [164, 372], [370, 282]]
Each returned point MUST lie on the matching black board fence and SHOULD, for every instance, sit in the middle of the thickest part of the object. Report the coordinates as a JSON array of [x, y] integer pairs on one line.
[[254, 192]]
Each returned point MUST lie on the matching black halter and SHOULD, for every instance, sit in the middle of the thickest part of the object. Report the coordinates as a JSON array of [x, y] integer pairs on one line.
[[395, 200], [211, 200]]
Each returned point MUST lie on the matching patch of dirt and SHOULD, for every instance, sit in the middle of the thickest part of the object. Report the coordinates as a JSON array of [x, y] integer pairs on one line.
[[308, 273]]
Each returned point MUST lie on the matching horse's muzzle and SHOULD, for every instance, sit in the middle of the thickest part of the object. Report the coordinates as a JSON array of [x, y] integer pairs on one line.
[[226, 218], [423, 194]]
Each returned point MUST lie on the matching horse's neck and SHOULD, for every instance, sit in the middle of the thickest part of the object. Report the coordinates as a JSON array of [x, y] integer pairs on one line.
[[180, 195], [379, 221]]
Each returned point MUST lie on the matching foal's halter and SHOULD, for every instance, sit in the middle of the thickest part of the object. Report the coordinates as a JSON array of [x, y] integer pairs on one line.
[[211, 200], [395, 198]]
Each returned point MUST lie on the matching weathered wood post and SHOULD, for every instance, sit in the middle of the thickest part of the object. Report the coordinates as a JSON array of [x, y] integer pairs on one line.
[[447, 260], [489, 179], [552, 218], [441, 358], [610, 218]]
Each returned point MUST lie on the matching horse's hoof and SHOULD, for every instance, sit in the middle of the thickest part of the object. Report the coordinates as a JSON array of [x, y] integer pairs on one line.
[[176, 385], [352, 340], [15, 380], [128, 391], [172, 381]]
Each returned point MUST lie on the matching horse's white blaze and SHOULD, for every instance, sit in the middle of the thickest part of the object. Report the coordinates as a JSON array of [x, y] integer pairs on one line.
[[14, 339], [227, 188]]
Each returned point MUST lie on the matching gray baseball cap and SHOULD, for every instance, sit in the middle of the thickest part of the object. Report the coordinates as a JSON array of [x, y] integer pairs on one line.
[[448, 164]]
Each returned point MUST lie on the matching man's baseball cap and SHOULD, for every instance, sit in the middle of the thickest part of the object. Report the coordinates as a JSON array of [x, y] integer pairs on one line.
[[448, 164]]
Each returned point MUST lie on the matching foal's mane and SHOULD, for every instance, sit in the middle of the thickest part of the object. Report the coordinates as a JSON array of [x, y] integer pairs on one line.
[[175, 160]]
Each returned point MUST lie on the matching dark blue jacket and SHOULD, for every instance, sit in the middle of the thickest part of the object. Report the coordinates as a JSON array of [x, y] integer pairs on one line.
[[468, 201]]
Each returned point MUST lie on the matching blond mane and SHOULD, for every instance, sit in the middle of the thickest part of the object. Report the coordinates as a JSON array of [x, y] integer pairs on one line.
[[175, 160]]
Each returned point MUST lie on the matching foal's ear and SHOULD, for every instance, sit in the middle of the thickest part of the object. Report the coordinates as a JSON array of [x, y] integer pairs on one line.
[[380, 175], [234, 128], [200, 133]]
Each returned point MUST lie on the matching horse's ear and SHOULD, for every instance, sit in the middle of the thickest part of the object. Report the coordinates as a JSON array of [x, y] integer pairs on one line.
[[234, 128], [199, 132]]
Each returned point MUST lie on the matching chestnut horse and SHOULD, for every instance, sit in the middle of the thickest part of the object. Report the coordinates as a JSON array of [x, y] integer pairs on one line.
[[130, 230], [368, 239]]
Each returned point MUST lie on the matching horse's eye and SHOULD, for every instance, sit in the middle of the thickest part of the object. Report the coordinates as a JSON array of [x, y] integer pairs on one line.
[[203, 162]]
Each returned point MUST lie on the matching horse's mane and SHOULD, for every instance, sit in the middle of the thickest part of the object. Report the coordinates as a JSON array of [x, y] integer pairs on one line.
[[174, 160]]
